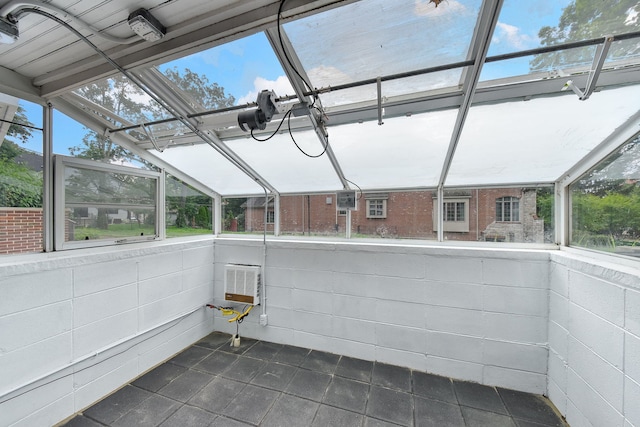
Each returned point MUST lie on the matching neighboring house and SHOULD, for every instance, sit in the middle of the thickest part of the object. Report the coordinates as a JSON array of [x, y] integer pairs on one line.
[[505, 215]]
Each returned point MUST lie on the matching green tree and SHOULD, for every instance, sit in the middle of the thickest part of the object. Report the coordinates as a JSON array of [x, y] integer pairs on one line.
[[19, 185], [208, 95], [121, 97], [588, 19]]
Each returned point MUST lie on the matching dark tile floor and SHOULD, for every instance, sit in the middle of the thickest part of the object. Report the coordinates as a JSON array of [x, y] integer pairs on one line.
[[266, 384]]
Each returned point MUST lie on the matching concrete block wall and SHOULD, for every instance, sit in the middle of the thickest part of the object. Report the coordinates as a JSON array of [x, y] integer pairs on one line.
[[77, 325], [594, 341], [473, 314]]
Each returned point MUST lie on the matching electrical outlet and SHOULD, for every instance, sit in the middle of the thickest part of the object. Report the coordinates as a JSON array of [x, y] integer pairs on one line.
[[263, 320]]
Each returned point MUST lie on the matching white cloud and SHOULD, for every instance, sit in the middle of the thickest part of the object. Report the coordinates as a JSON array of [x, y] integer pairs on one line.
[[632, 17], [428, 8], [280, 86], [512, 36], [328, 74]]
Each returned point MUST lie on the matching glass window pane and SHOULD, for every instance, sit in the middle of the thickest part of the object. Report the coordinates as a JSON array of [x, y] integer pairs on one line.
[[536, 141], [524, 26], [206, 165], [230, 74], [388, 37], [404, 152], [549, 23], [188, 211], [119, 101], [247, 215], [234, 215], [605, 204], [489, 214], [287, 166], [103, 204], [21, 225]]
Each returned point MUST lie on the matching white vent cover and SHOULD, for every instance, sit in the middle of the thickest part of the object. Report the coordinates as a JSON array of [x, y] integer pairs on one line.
[[242, 283]]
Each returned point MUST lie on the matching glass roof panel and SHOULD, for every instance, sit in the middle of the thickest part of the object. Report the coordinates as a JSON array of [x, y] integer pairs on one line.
[[624, 52], [404, 152], [529, 25], [285, 167], [206, 165], [233, 73], [536, 141], [389, 89], [524, 67], [121, 102], [374, 38]]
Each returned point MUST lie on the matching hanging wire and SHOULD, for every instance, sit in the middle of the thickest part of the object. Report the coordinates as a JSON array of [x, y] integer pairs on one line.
[[359, 189], [288, 113], [286, 55], [299, 148]]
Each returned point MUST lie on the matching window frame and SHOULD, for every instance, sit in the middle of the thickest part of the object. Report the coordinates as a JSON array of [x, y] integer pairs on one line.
[[458, 226], [510, 202], [382, 208], [271, 216], [61, 163]]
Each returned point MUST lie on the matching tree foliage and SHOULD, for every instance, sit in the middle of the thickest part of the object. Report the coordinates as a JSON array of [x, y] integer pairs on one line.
[[208, 95], [16, 131], [19, 185], [588, 19], [121, 97]]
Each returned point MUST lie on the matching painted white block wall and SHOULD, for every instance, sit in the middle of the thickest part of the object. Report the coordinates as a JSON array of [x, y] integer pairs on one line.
[[551, 322], [472, 314], [594, 340], [77, 325]]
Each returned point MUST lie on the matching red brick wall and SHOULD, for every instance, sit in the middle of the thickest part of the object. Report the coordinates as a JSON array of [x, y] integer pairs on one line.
[[409, 215], [20, 230]]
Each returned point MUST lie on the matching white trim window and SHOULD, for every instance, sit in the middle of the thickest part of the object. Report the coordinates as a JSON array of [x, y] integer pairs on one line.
[[456, 215], [376, 207], [99, 204], [508, 209], [271, 216]]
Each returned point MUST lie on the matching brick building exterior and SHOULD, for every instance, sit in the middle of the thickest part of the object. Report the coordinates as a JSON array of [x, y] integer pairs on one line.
[[20, 230], [507, 215]]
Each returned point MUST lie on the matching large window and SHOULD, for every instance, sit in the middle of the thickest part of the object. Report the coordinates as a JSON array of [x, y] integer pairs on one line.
[[508, 209], [21, 166], [101, 204], [376, 208], [605, 203], [188, 211], [455, 212]]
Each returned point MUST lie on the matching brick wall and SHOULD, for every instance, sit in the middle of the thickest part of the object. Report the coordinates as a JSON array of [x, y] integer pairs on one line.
[[20, 230], [409, 215]]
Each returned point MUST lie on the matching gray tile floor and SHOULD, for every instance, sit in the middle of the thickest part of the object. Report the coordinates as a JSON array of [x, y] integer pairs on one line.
[[266, 384]]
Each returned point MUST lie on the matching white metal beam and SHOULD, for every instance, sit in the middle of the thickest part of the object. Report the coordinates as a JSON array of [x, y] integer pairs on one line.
[[219, 26], [283, 51], [160, 88], [487, 22], [94, 123]]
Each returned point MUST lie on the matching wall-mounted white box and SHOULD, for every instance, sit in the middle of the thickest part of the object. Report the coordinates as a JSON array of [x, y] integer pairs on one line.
[[242, 283]]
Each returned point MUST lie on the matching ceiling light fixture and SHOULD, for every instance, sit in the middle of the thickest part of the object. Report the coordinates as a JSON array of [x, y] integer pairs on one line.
[[8, 31], [146, 26]]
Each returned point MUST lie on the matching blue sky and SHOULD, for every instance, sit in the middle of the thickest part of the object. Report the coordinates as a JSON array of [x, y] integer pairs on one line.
[[246, 66]]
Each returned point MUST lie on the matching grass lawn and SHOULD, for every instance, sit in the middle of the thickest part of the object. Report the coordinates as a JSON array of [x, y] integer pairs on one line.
[[121, 231]]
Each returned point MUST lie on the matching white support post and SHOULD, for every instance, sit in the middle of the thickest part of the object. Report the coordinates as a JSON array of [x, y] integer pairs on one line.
[[47, 171]]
